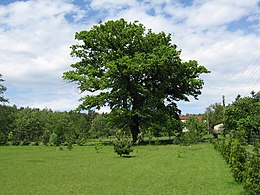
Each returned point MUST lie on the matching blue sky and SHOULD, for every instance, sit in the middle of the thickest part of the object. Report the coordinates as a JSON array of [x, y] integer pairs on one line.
[[35, 36]]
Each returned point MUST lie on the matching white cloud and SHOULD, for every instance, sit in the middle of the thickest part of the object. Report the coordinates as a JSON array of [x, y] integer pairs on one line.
[[35, 37], [111, 4], [215, 13], [57, 104], [34, 50]]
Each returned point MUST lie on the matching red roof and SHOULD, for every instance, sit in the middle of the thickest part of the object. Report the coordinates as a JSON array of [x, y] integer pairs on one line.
[[183, 117], [199, 117]]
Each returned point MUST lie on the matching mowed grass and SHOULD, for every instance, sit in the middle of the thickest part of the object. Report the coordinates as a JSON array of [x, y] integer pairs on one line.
[[167, 169]]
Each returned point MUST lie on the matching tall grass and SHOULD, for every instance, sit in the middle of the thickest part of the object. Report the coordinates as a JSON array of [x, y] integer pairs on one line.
[[168, 169]]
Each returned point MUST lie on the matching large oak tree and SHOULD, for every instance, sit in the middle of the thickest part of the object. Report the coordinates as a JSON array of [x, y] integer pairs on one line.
[[135, 71]]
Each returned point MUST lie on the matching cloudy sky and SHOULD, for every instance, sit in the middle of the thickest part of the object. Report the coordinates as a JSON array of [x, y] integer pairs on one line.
[[35, 36]]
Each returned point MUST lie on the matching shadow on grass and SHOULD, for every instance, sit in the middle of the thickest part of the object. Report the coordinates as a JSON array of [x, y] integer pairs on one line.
[[129, 156], [182, 157]]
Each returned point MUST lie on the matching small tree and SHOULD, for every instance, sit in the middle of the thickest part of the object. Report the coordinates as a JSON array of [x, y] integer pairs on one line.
[[196, 130], [123, 147], [173, 127], [53, 139], [214, 115], [7, 114], [2, 90]]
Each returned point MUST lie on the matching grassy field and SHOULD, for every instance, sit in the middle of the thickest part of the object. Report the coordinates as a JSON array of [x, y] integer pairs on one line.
[[167, 169]]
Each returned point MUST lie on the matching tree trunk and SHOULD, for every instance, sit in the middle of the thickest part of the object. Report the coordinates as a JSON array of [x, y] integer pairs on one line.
[[134, 127]]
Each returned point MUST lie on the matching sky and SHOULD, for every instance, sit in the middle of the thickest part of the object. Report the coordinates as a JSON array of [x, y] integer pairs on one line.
[[36, 35]]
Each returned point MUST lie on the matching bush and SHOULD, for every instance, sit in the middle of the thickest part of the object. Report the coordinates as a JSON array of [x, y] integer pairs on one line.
[[69, 146], [123, 147], [98, 146], [2, 139], [53, 139], [252, 175], [34, 143], [225, 148], [237, 160], [245, 166], [188, 138], [25, 142]]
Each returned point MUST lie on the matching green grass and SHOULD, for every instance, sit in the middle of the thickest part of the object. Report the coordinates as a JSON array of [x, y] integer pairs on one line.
[[168, 169]]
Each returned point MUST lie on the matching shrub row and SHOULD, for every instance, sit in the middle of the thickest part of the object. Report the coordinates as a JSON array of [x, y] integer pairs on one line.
[[245, 165]]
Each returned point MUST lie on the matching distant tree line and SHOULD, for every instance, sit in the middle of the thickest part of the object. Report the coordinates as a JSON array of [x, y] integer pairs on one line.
[[26, 125], [33, 126]]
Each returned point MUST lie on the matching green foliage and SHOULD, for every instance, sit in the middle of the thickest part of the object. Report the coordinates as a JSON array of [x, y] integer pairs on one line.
[[252, 175], [196, 130], [173, 127], [244, 115], [53, 139], [188, 138], [225, 148], [2, 90], [2, 139], [26, 125], [237, 160], [6, 121], [99, 127], [123, 147], [98, 146], [214, 114], [132, 70], [244, 165], [70, 146]]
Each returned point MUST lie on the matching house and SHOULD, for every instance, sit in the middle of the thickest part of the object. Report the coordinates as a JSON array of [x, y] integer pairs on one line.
[[218, 128], [185, 118]]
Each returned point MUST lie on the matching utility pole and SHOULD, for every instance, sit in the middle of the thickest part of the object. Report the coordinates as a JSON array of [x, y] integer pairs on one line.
[[223, 101], [224, 108], [208, 121]]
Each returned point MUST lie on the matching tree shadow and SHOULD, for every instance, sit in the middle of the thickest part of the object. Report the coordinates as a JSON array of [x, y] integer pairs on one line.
[[156, 142], [128, 156]]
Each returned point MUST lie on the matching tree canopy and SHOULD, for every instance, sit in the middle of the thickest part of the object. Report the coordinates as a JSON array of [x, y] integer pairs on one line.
[[134, 71], [214, 114], [243, 116], [2, 90]]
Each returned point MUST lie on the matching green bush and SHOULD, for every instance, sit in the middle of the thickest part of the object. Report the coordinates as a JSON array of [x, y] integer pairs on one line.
[[53, 139], [237, 160], [123, 147], [34, 143], [225, 148], [98, 146], [70, 146], [252, 175], [245, 166], [188, 138], [2, 139], [25, 142]]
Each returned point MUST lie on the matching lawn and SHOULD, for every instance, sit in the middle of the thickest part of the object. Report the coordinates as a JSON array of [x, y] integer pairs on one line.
[[167, 169]]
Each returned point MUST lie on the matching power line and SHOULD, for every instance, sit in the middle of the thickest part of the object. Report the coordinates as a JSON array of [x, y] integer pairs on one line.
[[252, 69]]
